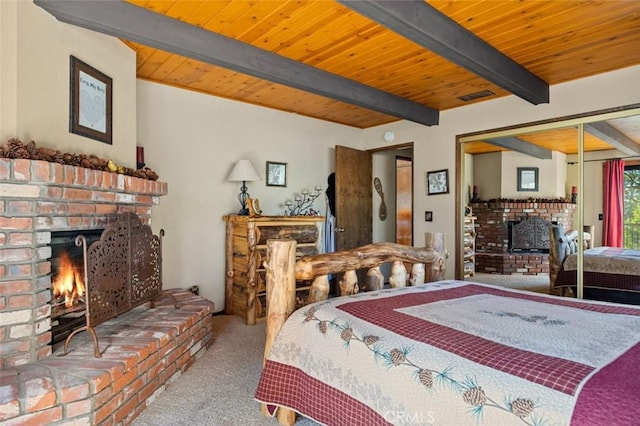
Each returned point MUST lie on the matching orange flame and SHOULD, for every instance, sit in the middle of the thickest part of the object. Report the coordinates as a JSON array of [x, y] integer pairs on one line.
[[68, 282]]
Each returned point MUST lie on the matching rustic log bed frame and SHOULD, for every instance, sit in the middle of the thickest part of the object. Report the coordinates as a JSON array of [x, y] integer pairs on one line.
[[283, 271]]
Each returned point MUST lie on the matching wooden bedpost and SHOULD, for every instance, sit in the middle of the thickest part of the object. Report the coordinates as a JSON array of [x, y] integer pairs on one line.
[[349, 283], [281, 301], [398, 276], [417, 274], [375, 279], [436, 270], [319, 289]]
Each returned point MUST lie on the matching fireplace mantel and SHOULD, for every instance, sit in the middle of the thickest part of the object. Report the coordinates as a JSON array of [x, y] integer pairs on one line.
[[37, 197]]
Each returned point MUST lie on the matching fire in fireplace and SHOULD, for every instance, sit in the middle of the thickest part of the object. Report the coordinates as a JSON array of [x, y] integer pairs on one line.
[[67, 282]]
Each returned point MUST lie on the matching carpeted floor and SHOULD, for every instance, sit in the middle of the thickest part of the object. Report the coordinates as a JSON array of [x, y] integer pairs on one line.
[[537, 283], [218, 389]]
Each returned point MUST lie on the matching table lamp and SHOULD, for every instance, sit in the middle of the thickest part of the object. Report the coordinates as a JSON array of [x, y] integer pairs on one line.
[[244, 172]]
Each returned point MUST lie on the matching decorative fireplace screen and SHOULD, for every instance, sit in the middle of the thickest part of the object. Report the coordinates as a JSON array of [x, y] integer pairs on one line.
[[529, 235], [122, 270]]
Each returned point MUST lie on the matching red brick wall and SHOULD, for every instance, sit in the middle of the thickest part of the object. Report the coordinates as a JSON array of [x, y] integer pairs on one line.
[[37, 197], [492, 254]]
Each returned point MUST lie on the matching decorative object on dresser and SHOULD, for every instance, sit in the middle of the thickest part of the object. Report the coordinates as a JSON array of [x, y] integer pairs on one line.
[[302, 204], [253, 204], [246, 245], [243, 171]]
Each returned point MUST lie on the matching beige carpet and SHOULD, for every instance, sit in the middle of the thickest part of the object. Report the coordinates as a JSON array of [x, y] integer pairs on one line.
[[218, 389], [537, 283]]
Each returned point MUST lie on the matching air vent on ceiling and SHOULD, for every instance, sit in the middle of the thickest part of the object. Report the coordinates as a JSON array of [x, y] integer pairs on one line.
[[476, 95]]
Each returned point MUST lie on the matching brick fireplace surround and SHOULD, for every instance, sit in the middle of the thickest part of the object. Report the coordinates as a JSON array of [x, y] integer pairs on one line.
[[142, 351], [492, 254]]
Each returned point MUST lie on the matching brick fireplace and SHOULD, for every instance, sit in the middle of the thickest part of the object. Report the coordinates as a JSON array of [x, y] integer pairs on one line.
[[144, 349], [493, 254]]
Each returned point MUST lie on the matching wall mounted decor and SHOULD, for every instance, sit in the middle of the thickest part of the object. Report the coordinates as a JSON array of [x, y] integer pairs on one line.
[[276, 174], [382, 212], [438, 182], [90, 102], [527, 179]]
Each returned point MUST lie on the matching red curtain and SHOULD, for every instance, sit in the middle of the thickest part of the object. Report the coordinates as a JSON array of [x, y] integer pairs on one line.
[[613, 224]]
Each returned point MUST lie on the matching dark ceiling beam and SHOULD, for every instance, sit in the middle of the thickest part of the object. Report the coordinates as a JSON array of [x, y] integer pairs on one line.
[[425, 25], [129, 22], [606, 132], [516, 144]]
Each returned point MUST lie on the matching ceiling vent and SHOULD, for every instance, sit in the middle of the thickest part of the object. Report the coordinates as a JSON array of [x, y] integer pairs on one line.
[[476, 95]]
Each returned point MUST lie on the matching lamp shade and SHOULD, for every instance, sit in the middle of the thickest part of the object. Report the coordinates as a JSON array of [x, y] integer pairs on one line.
[[243, 171]]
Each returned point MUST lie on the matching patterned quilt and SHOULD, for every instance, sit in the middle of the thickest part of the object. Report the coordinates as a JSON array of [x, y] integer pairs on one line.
[[604, 267], [455, 353], [611, 260]]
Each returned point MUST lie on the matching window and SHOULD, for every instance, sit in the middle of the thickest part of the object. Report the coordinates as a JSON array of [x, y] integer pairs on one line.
[[632, 205]]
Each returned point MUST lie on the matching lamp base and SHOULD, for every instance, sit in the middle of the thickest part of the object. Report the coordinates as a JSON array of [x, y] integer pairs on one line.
[[243, 212]]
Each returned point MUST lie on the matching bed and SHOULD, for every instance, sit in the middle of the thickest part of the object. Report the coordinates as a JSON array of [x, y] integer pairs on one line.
[[447, 352], [609, 273]]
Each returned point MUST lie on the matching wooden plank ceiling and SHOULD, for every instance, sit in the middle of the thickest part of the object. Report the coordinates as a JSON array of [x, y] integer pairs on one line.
[[557, 41]]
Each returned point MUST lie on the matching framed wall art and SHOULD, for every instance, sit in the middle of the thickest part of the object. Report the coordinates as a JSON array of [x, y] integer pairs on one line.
[[276, 174], [90, 102], [527, 179], [438, 182]]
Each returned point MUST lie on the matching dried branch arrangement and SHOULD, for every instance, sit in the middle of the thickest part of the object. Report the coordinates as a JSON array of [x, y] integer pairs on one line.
[[15, 148]]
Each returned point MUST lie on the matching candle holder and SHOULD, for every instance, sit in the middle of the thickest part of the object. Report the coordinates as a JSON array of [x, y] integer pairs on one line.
[[301, 204]]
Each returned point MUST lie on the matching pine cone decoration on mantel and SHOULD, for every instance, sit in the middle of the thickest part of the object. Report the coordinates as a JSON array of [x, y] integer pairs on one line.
[[15, 149]]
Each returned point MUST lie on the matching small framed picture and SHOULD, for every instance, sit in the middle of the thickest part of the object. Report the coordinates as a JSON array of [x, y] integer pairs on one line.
[[90, 102], [428, 216], [527, 179], [438, 182], [276, 174]]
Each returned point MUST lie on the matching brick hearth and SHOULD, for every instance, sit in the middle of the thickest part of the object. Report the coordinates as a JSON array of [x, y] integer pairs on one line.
[[492, 255], [143, 351]]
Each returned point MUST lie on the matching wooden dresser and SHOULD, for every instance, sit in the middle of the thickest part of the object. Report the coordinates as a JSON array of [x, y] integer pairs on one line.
[[246, 246]]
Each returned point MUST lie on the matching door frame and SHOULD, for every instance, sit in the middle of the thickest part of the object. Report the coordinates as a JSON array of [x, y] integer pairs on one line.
[[401, 146]]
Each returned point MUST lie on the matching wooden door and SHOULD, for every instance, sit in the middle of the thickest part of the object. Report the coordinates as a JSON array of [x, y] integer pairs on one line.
[[353, 198], [404, 201]]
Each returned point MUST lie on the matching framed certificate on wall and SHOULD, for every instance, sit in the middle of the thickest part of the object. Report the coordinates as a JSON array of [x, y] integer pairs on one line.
[[90, 102]]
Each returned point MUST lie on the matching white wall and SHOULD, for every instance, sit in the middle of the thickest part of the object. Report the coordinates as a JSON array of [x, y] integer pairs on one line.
[[487, 174], [434, 147], [192, 140], [34, 82]]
